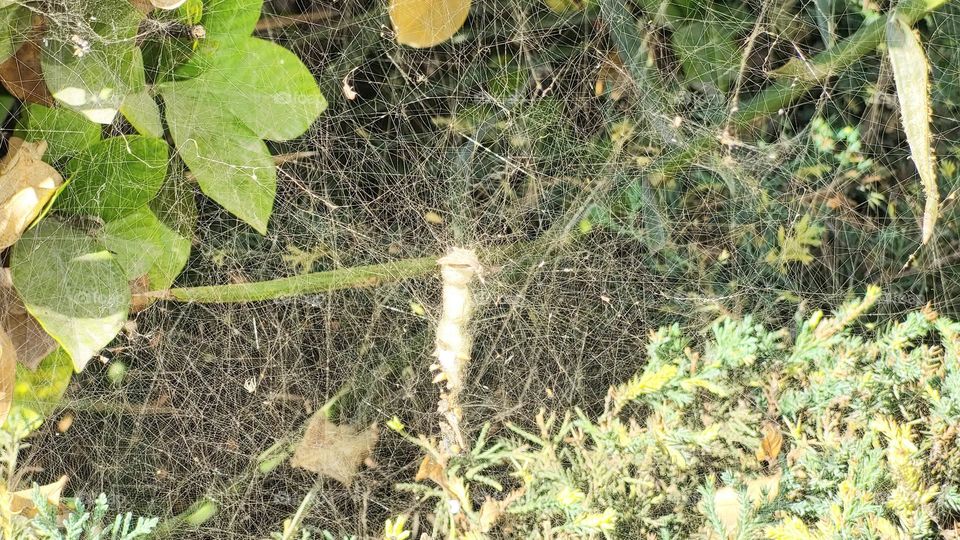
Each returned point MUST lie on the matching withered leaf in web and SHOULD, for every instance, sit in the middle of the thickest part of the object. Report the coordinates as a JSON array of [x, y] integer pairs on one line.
[[8, 372], [26, 185], [333, 451], [770, 444], [22, 75], [21, 502], [30, 341], [430, 470]]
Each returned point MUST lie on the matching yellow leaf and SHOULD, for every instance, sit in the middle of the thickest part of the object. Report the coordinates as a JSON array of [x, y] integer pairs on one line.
[[911, 74], [425, 23], [770, 444], [333, 451], [791, 528]]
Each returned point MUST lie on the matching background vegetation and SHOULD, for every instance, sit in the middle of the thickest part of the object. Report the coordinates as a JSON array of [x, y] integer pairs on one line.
[[225, 216]]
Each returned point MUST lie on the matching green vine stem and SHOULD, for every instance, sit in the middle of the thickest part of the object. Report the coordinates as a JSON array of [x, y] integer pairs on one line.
[[830, 62], [313, 283]]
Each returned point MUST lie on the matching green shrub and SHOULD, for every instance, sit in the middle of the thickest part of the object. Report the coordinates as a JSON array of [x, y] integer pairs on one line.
[[836, 430]]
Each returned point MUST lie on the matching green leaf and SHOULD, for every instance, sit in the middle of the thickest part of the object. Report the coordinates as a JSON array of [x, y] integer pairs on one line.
[[140, 109], [912, 75], [263, 84], [14, 26], [65, 131], [115, 176], [230, 17], [36, 394], [708, 53], [145, 246], [73, 286], [231, 164], [91, 69]]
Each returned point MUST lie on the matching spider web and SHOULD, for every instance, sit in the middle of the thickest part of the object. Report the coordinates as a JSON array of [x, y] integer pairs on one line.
[[520, 138]]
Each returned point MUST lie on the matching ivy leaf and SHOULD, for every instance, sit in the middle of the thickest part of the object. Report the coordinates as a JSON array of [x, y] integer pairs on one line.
[[218, 117], [911, 72], [242, 76], [140, 109], [91, 72], [72, 286], [65, 131], [230, 17], [115, 176], [145, 246], [14, 26], [232, 165]]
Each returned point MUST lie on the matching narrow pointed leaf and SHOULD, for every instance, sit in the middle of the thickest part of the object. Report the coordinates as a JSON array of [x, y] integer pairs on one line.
[[912, 75]]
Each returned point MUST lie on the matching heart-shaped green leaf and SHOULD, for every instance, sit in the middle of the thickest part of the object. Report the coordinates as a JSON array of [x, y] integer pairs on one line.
[[145, 246], [263, 84], [115, 176], [231, 164], [65, 131], [72, 285]]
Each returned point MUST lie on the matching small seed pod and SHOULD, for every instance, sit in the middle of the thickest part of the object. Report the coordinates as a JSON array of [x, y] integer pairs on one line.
[[26, 186]]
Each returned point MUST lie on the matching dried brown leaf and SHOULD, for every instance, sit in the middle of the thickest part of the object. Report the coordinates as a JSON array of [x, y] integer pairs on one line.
[[430, 470], [31, 343], [26, 185], [22, 75], [492, 509], [22, 501], [770, 443], [333, 451]]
